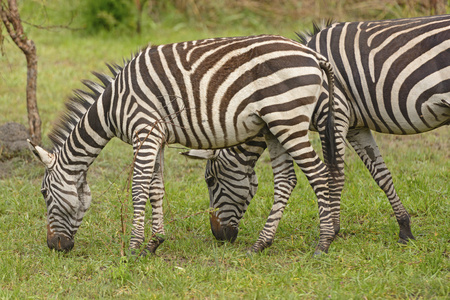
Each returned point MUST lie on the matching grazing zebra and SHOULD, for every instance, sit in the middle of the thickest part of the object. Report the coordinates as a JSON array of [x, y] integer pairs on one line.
[[394, 77], [202, 94]]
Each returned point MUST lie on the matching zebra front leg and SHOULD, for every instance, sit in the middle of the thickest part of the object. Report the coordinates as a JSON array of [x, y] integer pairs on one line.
[[147, 182], [365, 146], [284, 183]]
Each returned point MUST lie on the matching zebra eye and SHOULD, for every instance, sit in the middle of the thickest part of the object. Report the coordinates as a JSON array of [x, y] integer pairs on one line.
[[210, 181], [44, 192]]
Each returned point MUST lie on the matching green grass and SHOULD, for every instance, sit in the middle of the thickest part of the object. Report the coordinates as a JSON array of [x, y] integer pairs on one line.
[[365, 262]]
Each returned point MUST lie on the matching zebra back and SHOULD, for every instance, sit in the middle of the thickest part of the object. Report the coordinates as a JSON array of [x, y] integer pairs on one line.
[[391, 71]]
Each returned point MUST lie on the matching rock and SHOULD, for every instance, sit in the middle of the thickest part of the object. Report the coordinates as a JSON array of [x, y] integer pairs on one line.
[[13, 139]]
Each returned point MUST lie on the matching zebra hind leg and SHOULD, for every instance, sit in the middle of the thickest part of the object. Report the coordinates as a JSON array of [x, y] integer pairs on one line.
[[336, 181], [365, 146], [317, 173], [284, 183]]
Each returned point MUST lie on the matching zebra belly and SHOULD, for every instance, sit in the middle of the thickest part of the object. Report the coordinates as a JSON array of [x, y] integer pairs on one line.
[[416, 118], [216, 136]]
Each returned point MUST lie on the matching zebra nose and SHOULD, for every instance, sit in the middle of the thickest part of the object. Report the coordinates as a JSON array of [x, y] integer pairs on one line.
[[60, 243], [222, 233]]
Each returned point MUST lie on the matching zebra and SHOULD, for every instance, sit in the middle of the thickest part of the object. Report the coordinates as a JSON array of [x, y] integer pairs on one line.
[[204, 94], [392, 76]]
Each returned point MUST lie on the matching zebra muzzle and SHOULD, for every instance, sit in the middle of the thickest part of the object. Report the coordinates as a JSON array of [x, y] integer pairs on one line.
[[60, 243], [222, 233]]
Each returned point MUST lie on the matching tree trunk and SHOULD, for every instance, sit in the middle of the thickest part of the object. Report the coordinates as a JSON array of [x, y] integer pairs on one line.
[[13, 24], [139, 6], [34, 120]]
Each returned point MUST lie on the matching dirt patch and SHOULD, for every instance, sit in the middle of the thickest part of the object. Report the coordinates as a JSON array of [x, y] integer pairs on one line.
[[13, 143], [13, 140]]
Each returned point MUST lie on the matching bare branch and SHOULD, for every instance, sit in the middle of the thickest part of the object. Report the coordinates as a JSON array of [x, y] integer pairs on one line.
[[2, 38], [51, 27]]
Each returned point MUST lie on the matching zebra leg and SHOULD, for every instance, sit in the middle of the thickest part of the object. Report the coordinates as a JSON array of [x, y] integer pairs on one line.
[[156, 197], [146, 175], [284, 183], [336, 181], [365, 146], [317, 174]]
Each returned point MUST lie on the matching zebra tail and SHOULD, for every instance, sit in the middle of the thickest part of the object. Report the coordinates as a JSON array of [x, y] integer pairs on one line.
[[330, 128]]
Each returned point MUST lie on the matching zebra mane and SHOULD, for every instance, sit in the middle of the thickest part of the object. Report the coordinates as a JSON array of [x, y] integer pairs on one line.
[[305, 36], [78, 104]]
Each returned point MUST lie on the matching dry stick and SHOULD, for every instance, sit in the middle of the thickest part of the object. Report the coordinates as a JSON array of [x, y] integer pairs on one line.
[[123, 215], [106, 245], [100, 229], [123, 220]]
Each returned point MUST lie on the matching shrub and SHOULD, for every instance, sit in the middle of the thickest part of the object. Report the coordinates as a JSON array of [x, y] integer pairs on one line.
[[108, 15]]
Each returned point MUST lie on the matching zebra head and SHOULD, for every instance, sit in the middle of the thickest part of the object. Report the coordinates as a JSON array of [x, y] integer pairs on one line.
[[231, 185], [67, 198]]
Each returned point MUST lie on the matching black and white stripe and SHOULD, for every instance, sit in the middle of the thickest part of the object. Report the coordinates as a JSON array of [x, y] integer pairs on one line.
[[393, 77], [203, 94]]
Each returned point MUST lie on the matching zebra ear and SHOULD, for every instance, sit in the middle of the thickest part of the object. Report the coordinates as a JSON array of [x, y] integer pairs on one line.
[[200, 154], [44, 156]]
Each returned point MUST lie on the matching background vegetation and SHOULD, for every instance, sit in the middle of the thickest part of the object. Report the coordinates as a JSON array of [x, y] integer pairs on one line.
[[364, 262]]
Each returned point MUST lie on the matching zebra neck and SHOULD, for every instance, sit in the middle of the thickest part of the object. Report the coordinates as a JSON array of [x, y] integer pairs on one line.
[[85, 142]]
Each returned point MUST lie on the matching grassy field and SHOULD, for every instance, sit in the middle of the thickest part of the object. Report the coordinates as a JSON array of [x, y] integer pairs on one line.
[[365, 262]]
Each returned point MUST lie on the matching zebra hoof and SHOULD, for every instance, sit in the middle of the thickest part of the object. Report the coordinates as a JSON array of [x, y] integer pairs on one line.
[[402, 241], [405, 240], [253, 251], [149, 249], [259, 246], [405, 233], [317, 253], [153, 245], [140, 252], [320, 250]]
